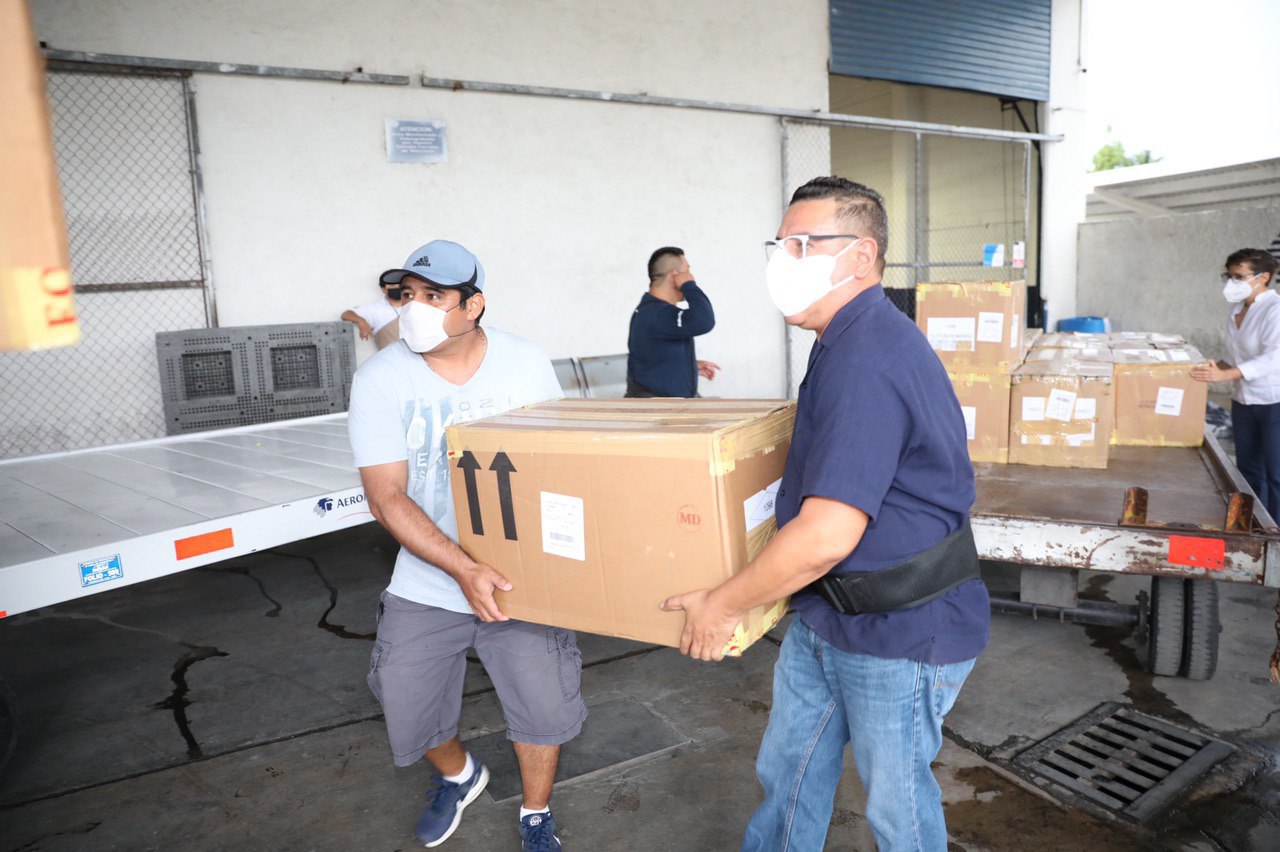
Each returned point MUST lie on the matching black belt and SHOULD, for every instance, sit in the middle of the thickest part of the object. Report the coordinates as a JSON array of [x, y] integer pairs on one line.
[[927, 575]]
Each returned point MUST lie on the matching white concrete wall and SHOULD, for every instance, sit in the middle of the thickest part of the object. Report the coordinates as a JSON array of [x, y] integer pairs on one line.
[[562, 200], [1065, 163], [1161, 273]]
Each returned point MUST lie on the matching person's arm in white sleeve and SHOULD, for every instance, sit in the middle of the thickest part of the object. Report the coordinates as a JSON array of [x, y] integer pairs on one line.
[[1268, 363]]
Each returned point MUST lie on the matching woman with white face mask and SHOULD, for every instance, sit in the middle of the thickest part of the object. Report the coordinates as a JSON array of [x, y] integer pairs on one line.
[[1253, 364]]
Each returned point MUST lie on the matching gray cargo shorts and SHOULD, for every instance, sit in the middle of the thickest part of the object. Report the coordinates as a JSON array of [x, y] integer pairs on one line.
[[420, 658]]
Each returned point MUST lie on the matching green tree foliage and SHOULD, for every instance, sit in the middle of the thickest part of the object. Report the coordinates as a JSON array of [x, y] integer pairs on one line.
[[1112, 156]]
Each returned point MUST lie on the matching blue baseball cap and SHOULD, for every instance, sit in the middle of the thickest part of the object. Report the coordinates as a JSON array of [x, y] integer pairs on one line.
[[440, 262]]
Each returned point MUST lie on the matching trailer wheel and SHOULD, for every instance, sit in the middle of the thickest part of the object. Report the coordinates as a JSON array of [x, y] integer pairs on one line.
[[1200, 654], [1167, 624], [8, 725]]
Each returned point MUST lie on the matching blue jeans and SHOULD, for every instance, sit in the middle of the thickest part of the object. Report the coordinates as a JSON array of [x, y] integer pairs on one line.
[[1257, 435], [890, 710]]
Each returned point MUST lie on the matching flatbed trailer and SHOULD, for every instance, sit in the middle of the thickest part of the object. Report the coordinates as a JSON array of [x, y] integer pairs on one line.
[[1182, 515], [79, 523]]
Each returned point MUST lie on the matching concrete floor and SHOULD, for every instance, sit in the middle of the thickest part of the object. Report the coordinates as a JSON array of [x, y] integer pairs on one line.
[[226, 708]]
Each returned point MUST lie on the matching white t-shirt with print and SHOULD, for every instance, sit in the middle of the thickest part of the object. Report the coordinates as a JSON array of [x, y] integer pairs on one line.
[[377, 313], [399, 411]]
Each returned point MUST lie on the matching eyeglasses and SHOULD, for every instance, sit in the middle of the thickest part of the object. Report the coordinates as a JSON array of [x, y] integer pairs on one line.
[[1227, 276], [798, 245]]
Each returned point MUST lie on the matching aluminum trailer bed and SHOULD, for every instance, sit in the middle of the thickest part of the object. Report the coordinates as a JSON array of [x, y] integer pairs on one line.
[[77, 523]]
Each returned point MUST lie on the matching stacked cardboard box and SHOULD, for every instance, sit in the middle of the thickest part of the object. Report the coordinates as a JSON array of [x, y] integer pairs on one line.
[[976, 329], [598, 510], [1061, 413], [1158, 404], [1154, 400]]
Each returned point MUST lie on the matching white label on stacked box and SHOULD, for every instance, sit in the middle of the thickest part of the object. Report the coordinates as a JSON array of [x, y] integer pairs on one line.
[[1179, 355], [1169, 401], [1060, 405], [759, 507], [970, 413], [990, 327], [1086, 409], [950, 334], [563, 529], [1033, 408]]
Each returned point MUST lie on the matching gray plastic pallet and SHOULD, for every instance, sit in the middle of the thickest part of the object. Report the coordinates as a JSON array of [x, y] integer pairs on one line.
[[218, 378]]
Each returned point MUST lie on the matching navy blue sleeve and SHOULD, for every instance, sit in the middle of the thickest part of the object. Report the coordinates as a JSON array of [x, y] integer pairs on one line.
[[861, 431], [672, 323]]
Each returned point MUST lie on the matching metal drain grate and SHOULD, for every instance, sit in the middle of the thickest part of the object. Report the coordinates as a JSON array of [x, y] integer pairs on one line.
[[1124, 761]]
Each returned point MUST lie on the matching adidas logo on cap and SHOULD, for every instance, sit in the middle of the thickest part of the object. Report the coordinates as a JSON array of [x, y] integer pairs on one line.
[[422, 261]]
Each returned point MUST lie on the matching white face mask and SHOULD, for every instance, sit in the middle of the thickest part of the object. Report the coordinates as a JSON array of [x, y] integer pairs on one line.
[[1236, 290], [422, 326], [797, 283]]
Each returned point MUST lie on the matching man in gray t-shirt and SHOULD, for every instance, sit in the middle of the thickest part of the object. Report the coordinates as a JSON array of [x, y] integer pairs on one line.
[[446, 369]]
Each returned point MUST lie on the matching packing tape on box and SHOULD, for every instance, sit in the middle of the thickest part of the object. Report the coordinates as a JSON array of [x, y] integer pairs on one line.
[[964, 289], [758, 537], [758, 622], [757, 438]]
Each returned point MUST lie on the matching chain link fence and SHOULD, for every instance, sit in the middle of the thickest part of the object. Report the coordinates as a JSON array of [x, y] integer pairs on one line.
[[947, 198], [124, 147]]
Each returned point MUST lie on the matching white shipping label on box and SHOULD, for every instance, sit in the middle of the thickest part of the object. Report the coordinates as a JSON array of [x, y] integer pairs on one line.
[[1169, 401], [1033, 408], [759, 507], [1086, 409], [970, 413], [990, 327], [563, 528], [1060, 405], [950, 334]]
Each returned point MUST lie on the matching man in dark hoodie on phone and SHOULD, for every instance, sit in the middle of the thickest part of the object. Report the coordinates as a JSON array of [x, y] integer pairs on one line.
[[661, 360]]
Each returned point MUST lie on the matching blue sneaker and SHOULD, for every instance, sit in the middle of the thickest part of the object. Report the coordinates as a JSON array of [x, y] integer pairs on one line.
[[448, 800], [538, 833]]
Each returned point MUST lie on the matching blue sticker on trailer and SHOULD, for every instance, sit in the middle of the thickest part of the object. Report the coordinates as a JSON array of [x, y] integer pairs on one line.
[[104, 570]]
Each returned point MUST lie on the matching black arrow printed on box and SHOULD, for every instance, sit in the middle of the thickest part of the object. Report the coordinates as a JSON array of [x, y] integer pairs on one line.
[[469, 465], [504, 468]]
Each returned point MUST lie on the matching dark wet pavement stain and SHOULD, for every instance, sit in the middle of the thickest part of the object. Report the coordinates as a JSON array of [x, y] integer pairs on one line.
[[324, 624], [1002, 815], [1238, 810], [85, 828], [1116, 643], [177, 700], [276, 608]]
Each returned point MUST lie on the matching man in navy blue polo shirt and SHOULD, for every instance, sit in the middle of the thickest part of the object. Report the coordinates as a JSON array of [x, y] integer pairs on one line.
[[878, 473], [660, 348]]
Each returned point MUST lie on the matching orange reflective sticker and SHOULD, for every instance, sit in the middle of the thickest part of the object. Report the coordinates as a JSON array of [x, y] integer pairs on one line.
[[198, 545]]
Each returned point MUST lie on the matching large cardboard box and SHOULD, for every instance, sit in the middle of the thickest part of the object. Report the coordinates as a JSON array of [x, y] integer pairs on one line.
[[984, 401], [974, 326], [1101, 355], [598, 510], [37, 309], [1074, 340], [1061, 414], [1158, 404], [1126, 339]]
